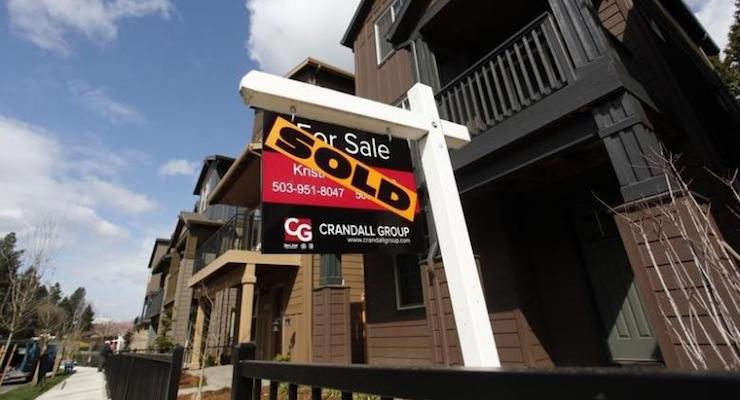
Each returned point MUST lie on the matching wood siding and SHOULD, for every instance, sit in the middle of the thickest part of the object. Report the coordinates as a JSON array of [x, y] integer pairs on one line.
[[613, 15], [516, 343], [352, 273], [332, 325], [354, 281], [390, 80], [654, 294], [298, 332], [398, 337]]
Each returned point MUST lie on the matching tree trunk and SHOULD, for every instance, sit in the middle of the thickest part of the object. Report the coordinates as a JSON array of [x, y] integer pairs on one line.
[[39, 373], [5, 351], [57, 362]]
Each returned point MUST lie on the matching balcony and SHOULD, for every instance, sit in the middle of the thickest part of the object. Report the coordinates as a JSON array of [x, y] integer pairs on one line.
[[522, 76], [529, 66], [240, 232], [154, 304]]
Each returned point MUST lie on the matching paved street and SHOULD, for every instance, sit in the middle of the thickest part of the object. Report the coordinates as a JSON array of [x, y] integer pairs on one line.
[[86, 384]]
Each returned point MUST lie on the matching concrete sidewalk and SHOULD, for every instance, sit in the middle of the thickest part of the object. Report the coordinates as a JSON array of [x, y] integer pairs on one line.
[[86, 384]]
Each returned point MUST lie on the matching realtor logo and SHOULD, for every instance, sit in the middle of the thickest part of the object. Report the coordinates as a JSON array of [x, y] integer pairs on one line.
[[298, 230]]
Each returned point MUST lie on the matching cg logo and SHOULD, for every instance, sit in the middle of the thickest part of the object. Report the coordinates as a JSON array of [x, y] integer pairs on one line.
[[298, 230]]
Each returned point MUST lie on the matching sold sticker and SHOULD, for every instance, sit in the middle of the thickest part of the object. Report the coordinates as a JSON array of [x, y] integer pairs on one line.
[[302, 147]]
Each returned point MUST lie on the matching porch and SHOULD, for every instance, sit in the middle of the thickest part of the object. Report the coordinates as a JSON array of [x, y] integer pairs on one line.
[[540, 63]]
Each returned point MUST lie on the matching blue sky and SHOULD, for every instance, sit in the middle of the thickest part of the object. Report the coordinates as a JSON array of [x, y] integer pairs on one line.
[[107, 108]]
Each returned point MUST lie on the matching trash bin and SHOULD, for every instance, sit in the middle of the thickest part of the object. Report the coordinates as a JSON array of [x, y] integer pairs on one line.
[[69, 366]]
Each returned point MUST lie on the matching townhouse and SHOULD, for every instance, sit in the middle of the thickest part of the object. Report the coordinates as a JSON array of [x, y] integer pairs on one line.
[[169, 307], [147, 324], [211, 286], [302, 308], [569, 103]]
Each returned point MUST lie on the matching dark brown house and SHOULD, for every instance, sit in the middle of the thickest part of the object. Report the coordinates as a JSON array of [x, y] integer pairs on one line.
[[568, 102]]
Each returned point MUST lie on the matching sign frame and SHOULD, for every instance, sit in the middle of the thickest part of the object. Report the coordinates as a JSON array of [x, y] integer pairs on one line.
[[360, 198], [434, 135]]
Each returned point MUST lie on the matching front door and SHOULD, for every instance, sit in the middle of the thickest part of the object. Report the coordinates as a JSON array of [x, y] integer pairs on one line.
[[630, 338], [277, 321], [269, 323]]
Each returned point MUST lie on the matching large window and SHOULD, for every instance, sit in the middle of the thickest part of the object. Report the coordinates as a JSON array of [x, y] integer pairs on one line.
[[208, 186], [382, 25], [409, 292]]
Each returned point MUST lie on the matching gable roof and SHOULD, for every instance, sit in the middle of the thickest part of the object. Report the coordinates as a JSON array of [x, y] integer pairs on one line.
[[310, 62], [356, 23], [159, 243], [407, 19], [399, 31], [681, 12], [222, 164], [412, 10]]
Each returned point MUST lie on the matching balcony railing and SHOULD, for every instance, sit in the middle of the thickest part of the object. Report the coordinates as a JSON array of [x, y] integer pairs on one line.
[[154, 305], [523, 70], [241, 232]]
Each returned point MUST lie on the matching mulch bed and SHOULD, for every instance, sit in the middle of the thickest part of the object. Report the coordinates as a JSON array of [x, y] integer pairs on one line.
[[189, 381], [223, 394]]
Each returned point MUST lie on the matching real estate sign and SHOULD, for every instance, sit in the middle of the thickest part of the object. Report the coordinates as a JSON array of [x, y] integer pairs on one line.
[[332, 189]]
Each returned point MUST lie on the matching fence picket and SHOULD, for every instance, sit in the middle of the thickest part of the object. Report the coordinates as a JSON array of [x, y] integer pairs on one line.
[[134, 376]]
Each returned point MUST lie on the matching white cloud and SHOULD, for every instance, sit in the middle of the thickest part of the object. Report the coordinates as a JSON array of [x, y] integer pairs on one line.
[[716, 16], [284, 32], [104, 192], [46, 23], [47, 181], [98, 101], [179, 167], [41, 180]]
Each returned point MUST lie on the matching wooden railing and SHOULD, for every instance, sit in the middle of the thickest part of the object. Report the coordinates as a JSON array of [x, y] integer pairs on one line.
[[132, 376], [526, 68], [290, 380]]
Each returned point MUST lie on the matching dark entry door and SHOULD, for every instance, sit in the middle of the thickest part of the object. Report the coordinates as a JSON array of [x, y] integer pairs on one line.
[[277, 321], [630, 338]]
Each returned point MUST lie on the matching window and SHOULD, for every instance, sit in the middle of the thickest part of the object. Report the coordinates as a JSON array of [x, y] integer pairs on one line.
[[208, 186], [382, 25], [330, 270], [408, 282]]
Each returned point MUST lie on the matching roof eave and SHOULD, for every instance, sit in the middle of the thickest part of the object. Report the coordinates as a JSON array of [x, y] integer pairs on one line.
[[348, 40]]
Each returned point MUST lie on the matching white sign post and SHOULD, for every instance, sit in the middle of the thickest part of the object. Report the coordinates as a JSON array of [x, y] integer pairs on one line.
[[423, 124]]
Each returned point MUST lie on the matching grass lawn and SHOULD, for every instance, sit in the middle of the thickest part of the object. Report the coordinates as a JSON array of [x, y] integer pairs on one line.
[[30, 392]]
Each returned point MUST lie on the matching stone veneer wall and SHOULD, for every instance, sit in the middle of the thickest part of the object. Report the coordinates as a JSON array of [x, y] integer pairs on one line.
[[182, 302]]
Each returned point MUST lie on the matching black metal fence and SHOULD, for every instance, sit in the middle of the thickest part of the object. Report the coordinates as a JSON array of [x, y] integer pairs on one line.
[[143, 376], [241, 232], [474, 383]]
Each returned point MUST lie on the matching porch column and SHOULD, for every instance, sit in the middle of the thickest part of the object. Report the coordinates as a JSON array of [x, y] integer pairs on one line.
[[581, 32], [200, 320], [631, 143], [249, 279]]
